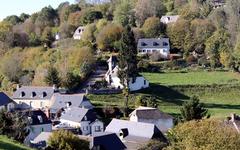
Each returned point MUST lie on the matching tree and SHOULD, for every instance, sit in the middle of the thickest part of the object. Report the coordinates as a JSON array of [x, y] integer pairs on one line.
[[13, 125], [127, 62], [71, 82], [124, 13], [204, 134], [107, 37], [47, 36], [154, 145], [13, 20], [52, 77], [63, 139], [66, 30], [24, 17], [148, 8], [89, 16], [153, 28], [193, 110]]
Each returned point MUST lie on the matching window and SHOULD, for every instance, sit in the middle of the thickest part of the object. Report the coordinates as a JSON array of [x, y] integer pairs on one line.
[[44, 94], [33, 94], [97, 128], [144, 82], [22, 94], [143, 44], [165, 44], [42, 130]]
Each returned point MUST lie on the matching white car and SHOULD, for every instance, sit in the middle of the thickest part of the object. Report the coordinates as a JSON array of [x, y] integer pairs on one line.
[[61, 125]]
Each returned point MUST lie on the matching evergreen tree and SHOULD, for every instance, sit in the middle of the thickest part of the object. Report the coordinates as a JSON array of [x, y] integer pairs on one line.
[[127, 62], [193, 110], [71, 81], [52, 77]]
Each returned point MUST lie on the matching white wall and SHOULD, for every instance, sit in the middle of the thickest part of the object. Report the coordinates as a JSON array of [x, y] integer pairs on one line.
[[162, 124], [138, 84], [71, 123], [94, 126], [35, 104], [85, 127], [161, 51], [35, 130]]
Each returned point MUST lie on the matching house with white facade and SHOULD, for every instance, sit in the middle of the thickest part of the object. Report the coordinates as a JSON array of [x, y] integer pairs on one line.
[[161, 120], [33, 97], [153, 45], [169, 19], [6, 102], [38, 123], [78, 33], [112, 77], [63, 101], [82, 118]]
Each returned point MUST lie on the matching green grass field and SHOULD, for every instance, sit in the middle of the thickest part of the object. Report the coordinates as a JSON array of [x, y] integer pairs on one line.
[[8, 144], [219, 91]]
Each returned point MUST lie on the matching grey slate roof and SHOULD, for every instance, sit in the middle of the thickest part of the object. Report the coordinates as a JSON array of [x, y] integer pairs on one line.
[[107, 141], [138, 129], [153, 43], [150, 113], [77, 114], [33, 93], [4, 99], [61, 100]]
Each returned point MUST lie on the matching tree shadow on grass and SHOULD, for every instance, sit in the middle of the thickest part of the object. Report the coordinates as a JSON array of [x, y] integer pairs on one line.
[[221, 106], [9, 146], [165, 93]]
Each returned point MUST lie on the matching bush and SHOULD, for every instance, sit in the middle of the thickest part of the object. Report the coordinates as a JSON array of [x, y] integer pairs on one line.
[[155, 56], [63, 139]]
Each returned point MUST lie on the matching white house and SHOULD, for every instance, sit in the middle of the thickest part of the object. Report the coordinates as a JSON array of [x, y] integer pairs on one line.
[[6, 102], [57, 36], [151, 45], [161, 120], [38, 123], [82, 118], [33, 97], [112, 77], [169, 19], [78, 33]]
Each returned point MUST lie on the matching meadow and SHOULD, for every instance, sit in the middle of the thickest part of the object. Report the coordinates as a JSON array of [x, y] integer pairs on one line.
[[8, 144], [218, 90]]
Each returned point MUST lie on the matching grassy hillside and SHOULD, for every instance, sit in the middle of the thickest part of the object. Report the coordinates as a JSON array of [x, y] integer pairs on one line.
[[8, 144], [219, 91]]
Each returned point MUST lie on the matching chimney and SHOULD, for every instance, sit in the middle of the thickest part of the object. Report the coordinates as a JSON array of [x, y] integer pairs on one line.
[[18, 86]]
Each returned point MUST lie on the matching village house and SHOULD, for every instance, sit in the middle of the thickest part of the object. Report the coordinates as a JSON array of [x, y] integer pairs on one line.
[[38, 123], [63, 101], [161, 120], [169, 19], [33, 97], [113, 80], [154, 45], [6, 102], [78, 33], [218, 3], [82, 118], [134, 134]]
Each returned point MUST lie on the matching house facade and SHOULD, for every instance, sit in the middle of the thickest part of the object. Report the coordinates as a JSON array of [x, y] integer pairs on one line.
[[169, 19], [161, 120], [82, 118], [113, 80], [38, 123], [151, 45], [33, 97], [6, 102], [78, 33]]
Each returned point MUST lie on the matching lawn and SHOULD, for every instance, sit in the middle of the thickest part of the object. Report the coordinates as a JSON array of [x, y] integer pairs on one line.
[[8, 144], [192, 78], [219, 91]]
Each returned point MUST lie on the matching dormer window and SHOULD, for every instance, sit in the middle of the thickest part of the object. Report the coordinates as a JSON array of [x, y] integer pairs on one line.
[[40, 119], [44, 94], [30, 120], [155, 44], [165, 44], [33, 94], [22, 94], [143, 44]]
